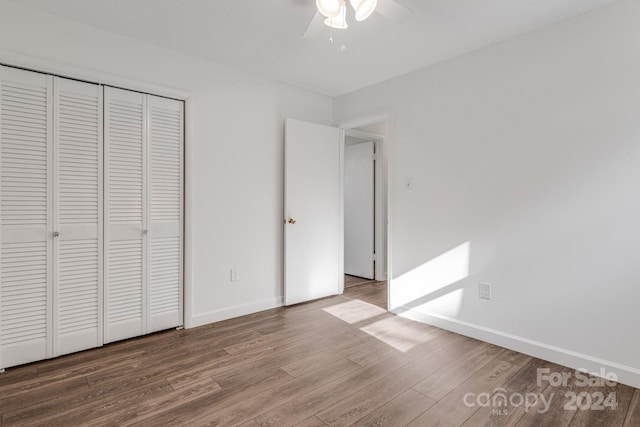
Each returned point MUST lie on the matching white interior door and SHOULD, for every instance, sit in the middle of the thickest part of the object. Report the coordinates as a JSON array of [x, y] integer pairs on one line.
[[77, 306], [165, 213], [26, 216], [312, 207], [125, 214], [359, 198]]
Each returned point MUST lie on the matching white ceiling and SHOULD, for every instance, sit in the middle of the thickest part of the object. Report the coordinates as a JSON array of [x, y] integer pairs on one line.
[[265, 36]]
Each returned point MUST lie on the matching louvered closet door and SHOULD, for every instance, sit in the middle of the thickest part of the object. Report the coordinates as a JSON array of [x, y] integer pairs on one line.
[[125, 214], [26, 216], [165, 213], [78, 214]]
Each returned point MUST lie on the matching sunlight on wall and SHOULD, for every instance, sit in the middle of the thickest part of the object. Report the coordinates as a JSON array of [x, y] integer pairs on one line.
[[432, 280]]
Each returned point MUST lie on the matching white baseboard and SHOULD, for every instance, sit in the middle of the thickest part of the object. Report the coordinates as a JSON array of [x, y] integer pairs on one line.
[[626, 374], [235, 311]]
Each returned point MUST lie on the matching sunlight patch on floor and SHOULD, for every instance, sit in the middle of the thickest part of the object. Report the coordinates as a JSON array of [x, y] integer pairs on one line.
[[354, 311], [400, 333]]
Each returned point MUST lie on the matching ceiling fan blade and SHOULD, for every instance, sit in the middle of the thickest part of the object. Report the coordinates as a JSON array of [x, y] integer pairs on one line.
[[393, 10], [315, 27]]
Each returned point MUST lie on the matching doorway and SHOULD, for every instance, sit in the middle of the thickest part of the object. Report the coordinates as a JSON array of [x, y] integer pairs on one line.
[[364, 206], [314, 226]]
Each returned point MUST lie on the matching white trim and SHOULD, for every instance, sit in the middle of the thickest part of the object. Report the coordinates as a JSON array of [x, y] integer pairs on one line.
[[363, 135], [235, 311], [189, 203], [626, 374], [380, 272], [386, 155], [364, 121], [380, 242], [343, 140]]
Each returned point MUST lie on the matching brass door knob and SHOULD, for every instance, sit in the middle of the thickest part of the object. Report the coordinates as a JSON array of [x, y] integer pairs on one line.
[[291, 221]]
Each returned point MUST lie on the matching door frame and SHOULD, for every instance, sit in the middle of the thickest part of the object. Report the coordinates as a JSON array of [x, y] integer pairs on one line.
[[384, 190], [378, 208]]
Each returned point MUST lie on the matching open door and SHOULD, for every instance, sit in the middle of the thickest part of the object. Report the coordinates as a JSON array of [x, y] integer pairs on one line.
[[312, 266], [359, 208]]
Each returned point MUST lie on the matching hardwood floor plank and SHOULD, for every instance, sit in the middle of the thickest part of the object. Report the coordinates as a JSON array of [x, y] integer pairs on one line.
[[550, 408], [375, 395], [305, 405], [148, 370], [309, 422], [350, 281], [633, 413], [98, 408], [133, 414], [447, 378], [20, 374], [283, 355], [452, 410], [303, 365], [246, 404], [523, 384], [188, 411], [15, 401], [593, 416], [398, 412]]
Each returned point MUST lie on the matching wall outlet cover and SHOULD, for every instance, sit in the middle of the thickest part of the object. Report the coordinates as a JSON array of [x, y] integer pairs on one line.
[[485, 291]]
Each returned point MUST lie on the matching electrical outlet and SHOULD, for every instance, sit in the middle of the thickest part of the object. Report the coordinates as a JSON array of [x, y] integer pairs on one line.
[[233, 275], [485, 291]]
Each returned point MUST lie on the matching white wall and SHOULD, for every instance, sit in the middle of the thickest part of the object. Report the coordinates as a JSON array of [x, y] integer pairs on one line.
[[525, 160], [235, 130]]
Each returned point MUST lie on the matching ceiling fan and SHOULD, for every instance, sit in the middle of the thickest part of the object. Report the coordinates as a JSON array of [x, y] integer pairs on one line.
[[333, 13]]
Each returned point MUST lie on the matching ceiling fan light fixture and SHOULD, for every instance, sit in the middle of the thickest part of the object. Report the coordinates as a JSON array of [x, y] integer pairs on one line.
[[339, 21], [363, 8], [329, 8]]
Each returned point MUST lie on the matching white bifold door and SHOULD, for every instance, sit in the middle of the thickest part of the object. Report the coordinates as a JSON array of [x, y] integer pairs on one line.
[[90, 215], [50, 216], [143, 176]]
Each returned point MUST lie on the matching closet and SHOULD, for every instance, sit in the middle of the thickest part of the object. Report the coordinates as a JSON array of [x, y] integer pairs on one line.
[[90, 215], [144, 214]]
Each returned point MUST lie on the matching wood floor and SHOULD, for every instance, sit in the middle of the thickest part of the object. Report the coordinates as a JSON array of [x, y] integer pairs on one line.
[[338, 361], [350, 281]]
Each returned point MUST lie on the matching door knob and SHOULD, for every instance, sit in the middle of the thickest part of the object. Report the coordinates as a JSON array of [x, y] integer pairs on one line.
[[56, 234], [291, 221], [145, 232]]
